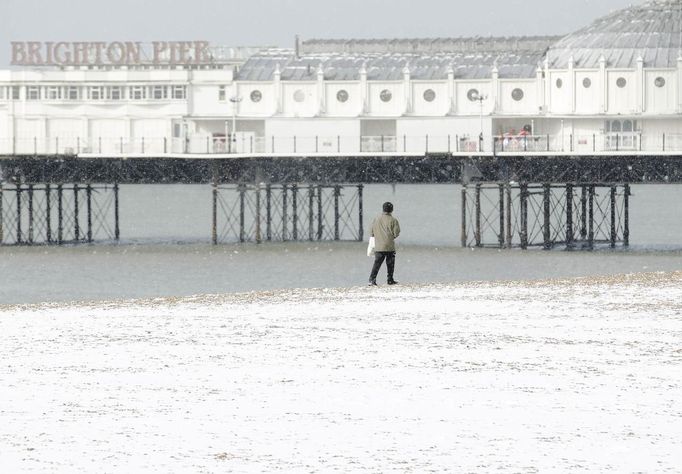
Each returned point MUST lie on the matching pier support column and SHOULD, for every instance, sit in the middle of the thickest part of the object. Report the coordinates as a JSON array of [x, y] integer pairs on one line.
[[48, 213], [117, 233], [30, 214], [524, 216], [337, 194], [311, 211], [361, 229], [284, 212], [268, 212], [546, 212], [477, 230], [463, 229], [60, 214], [583, 213], [2, 218], [320, 224], [590, 218], [569, 216], [88, 194], [76, 224], [509, 216], [501, 236], [614, 230], [19, 236], [242, 192], [626, 216], [294, 211], [214, 215], [259, 237]]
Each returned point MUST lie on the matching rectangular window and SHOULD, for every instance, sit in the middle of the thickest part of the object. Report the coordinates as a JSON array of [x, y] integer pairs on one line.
[[16, 92], [32, 93], [73, 93], [159, 92], [221, 94], [53, 93], [138, 92], [95, 93], [114, 93], [179, 92]]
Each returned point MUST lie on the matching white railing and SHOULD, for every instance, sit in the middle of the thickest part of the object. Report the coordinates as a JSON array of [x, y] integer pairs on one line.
[[630, 142]]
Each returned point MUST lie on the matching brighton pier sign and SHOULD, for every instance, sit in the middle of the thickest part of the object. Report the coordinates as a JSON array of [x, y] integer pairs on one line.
[[115, 53]]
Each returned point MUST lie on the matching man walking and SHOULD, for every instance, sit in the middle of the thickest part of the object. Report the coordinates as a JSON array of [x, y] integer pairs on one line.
[[385, 229]]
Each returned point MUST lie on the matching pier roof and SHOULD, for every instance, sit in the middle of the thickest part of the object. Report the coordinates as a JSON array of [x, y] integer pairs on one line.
[[469, 58], [652, 31]]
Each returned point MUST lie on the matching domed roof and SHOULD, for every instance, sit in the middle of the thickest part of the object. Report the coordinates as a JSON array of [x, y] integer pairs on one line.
[[652, 31]]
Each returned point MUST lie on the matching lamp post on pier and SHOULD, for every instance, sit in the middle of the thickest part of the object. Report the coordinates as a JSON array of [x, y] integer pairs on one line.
[[480, 98], [232, 138]]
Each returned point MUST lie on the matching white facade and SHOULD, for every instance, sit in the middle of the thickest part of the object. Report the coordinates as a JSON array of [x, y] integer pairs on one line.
[[559, 104]]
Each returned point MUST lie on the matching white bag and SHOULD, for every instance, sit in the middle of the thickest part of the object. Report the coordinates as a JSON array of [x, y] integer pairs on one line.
[[370, 247]]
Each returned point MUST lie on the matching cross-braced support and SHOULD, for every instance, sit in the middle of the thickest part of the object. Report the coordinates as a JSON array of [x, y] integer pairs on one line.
[[575, 215], [287, 212], [84, 213]]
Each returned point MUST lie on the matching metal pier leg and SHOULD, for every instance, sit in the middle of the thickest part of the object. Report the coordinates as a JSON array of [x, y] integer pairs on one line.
[[361, 229], [2, 218], [117, 232], [501, 236], [294, 211], [524, 216], [259, 236], [583, 213], [509, 216], [19, 236], [569, 215], [48, 213], [613, 217], [337, 193], [242, 192], [319, 212], [477, 231], [30, 214], [311, 211], [590, 218], [76, 224], [88, 193], [214, 215], [60, 215], [547, 225], [284, 212], [268, 212], [626, 216], [463, 231]]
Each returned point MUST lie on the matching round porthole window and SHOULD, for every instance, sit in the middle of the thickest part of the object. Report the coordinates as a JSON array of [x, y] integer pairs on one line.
[[587, 83], [559, 83], [256, 96], [386, 95], [473, 95], [517, 94], [429, 95], [659, 82], [621, 82], [299, 96], [342, 95]]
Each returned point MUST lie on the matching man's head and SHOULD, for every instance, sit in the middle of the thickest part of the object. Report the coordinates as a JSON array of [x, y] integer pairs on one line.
[[388, 207]]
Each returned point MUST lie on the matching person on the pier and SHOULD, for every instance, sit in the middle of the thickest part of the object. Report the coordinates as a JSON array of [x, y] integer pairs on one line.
[[385, 229]]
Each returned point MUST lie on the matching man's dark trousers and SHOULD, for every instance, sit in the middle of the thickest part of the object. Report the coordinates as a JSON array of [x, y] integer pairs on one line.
[[379, 258]]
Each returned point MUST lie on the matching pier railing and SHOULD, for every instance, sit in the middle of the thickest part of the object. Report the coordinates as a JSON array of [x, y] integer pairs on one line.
[[579, 144]]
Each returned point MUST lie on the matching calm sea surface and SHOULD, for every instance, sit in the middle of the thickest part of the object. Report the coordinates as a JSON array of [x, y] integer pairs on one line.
[[166, 250]]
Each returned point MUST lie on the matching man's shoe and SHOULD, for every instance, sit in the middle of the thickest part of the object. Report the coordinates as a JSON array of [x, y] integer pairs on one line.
[[392, 282], [372, 283]]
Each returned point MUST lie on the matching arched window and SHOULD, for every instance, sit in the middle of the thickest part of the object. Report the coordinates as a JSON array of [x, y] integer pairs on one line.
[[627, 126], [616, 126]]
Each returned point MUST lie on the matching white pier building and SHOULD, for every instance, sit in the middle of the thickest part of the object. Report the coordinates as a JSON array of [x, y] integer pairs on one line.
[[613, 86]]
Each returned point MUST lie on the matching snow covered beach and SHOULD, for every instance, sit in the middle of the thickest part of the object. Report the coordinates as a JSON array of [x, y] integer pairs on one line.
[[547, 376]]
